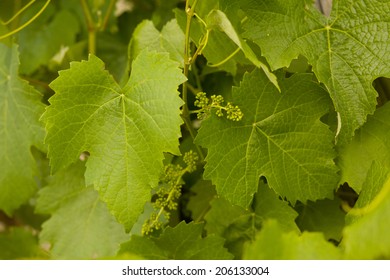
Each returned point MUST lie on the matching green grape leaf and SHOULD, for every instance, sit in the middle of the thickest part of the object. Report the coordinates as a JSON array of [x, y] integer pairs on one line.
[[371, 142], [272, 243], [20, 129], [170, 39], [44, 38], [19, 243], [280, 137], [183, 242], [125, 130], [347, 50], [80, 227], [323, 216], [367, 235]]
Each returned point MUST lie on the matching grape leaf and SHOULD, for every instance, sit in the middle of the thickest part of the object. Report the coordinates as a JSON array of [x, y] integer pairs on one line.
[[280, 137], [348, 50], [170, 39], [126, 130], [371, 142], [183, 242], [367, 235], [323, 216], [273, 244], [18, 243], [20, 109], [81, 226]]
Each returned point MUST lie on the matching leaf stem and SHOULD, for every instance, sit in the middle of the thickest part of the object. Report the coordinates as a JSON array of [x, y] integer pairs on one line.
[[193, 89], [226, 59], [91, 26], [27, 23], [170, 195], [107, 15]]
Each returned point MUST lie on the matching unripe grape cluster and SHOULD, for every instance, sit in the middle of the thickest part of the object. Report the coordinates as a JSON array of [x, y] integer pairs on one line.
[[216, 101], [169, 192]]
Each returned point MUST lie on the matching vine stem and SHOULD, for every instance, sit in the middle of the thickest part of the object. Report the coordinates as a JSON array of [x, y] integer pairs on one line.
[[171, 192], [92, 26], [187, 62], [27, 23], [107, 16]]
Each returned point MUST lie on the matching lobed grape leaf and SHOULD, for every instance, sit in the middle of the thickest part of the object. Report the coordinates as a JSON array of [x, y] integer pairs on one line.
[[170, 39], [273, 244], [183, 242], [371, 142], [280, 137], [367, 235], [347, 50], [125, 130], [80, 227], [20, 129]]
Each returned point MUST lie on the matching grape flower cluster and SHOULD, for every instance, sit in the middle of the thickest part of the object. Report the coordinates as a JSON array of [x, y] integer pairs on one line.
[[169, 192], [205, 104]]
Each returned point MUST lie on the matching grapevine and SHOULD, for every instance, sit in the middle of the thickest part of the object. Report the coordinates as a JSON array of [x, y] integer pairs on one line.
[[188, 129]]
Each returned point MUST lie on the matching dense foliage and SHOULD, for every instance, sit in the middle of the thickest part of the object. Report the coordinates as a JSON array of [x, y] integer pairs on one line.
[[218, 129]]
